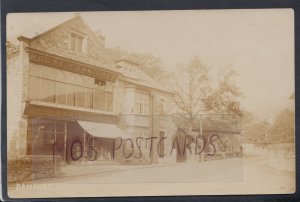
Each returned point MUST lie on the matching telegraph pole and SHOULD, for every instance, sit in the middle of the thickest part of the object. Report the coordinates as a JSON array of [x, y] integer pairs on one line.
[[201, 135]]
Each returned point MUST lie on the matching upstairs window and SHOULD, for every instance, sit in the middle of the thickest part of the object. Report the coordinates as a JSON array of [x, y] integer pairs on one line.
[[77, 43], [103, 99], [141, 105], [66, 88]]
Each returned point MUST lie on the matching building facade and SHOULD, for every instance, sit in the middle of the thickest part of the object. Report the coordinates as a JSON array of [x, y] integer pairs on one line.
[[69, 97], [213, 137]]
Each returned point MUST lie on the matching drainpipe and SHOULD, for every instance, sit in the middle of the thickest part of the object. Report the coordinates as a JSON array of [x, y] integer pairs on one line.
[[152, 105]]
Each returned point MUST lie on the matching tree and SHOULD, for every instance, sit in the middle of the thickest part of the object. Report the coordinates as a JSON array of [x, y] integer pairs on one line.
[[283, 128], [190, 86], [224, 99], [11, 49], [256, 133]]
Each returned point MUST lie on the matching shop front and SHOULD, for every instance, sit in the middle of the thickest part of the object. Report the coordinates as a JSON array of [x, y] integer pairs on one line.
[[72, 135]]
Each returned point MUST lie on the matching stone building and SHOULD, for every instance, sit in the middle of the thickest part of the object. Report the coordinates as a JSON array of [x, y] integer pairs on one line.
[[69, 97], [212, 137]]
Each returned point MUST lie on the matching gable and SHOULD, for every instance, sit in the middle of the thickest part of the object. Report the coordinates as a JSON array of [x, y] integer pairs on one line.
[[57, 41]]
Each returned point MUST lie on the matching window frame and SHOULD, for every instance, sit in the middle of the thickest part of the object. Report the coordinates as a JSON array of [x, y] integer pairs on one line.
[[91, 89], [78, 35], [138, 102]]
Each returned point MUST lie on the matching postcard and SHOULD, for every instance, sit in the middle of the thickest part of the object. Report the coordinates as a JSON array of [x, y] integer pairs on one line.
[[150, 103]]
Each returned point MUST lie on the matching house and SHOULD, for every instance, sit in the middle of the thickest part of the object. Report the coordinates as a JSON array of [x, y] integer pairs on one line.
[[211, 137], [69, 97]]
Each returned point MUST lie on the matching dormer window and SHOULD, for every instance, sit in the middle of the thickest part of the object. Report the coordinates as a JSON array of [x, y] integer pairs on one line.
[[77, 43], [127, 68]]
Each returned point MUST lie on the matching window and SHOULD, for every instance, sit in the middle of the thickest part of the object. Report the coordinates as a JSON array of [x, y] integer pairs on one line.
[[44, 134], [48, 73], [61, 93], [34, 88], [89, 98], [76, 43], [108, 101], [99, 100], [141, 105], [80, 96], [35, 70], [138, 102], [128, 70], [62, 76], [130, 100], [48, 91], [71, 90], [103, 95], [61, 87]]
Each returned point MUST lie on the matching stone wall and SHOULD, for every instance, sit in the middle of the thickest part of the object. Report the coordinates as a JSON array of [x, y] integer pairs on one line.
[[157, 121], [162, 122], [120, 101], [24, 168], [14, 97]]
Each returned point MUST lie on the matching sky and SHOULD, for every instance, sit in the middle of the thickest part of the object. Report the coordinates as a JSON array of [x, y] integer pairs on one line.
[[259, 44]]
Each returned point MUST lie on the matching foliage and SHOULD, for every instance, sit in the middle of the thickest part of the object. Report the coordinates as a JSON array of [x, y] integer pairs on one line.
[[261, 133], [191, 85], [256, 133], [11, 49], [283, 129], [224, 98]]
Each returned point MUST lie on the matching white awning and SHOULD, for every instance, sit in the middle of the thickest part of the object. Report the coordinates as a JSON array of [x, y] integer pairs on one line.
[[103, 130]]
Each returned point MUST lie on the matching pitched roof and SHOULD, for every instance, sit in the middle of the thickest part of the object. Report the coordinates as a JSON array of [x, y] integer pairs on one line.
[[106, 58], [99, 58], [33, 30], [214, 125], [144, 79]]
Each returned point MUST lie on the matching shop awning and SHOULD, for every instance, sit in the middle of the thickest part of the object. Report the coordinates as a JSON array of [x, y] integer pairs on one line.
[[105, 130]]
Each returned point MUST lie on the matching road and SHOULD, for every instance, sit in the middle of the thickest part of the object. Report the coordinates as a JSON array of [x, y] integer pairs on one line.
[[231, 176], [230, 170]]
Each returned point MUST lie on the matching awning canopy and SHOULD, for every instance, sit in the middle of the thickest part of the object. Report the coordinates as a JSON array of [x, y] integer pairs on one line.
[[105, 130]]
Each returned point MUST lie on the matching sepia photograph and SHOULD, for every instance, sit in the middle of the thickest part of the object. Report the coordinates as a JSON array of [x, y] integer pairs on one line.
[[150, 103]]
